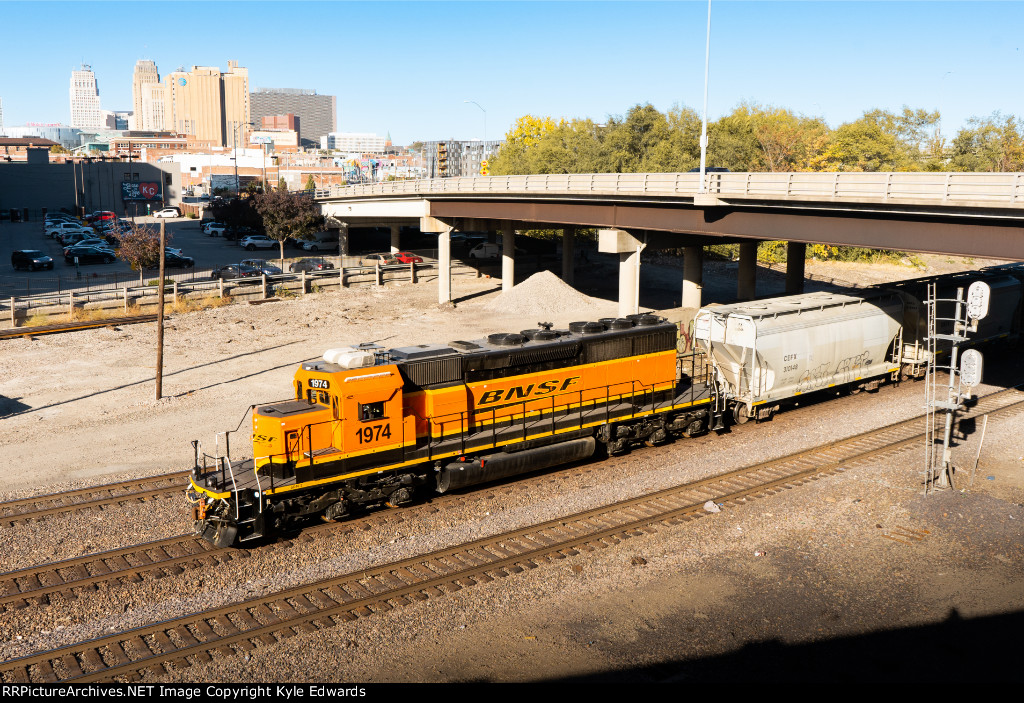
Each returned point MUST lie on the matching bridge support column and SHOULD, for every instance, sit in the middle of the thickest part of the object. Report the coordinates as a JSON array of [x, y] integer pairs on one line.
[[508, 256], [746, 284], [629, 282], [795, 255], [628, 247], [395, 240], [569, 255], [343, 240], [693, 276], [444, 256]]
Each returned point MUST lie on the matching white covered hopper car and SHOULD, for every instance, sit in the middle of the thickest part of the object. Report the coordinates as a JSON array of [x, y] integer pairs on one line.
[[767, 351]]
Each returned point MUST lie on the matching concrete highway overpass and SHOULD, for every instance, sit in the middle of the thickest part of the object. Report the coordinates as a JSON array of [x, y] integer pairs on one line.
[[962, 214]]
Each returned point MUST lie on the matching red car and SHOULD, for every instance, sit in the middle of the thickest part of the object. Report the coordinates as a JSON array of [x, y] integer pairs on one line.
[[405, 257], [101, 216]]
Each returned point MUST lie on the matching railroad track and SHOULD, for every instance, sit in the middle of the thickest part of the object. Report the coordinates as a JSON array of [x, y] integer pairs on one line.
[[78, 576], [312, 607], [37, 330], [95, 498]]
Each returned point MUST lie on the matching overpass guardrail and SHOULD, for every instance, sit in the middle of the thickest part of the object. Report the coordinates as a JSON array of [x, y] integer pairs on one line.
[[983, 190]]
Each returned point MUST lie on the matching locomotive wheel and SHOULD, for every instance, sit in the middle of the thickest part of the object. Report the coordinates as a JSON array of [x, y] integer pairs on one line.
[[693, 429], [739, 415]]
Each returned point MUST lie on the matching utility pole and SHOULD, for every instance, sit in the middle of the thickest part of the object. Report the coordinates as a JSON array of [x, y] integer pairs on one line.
[[160, 320]]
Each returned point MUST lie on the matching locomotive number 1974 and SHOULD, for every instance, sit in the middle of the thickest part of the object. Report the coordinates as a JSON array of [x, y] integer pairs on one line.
[[373, 433]]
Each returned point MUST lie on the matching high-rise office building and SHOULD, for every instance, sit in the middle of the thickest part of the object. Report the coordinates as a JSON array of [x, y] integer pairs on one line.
[[152, 108], [318, 114], [208, 103], [145, 75], [85, 99]]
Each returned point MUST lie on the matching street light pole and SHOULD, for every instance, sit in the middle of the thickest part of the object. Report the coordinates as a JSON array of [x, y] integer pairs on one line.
[[704, 120]]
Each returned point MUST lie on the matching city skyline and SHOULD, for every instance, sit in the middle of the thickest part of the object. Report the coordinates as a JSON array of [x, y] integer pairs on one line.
[[409, 68]]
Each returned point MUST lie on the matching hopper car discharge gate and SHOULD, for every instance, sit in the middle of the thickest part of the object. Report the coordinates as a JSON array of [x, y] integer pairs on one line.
[[370, 427]]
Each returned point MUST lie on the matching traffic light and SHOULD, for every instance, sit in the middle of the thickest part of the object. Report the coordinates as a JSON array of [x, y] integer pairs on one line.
[[442, 159], [484, 168]]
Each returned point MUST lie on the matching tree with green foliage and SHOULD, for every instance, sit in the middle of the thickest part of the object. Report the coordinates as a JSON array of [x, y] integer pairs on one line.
[[862, 145], [310, 183], [281, 184], [286, 214], [994, 144], [516, 154]]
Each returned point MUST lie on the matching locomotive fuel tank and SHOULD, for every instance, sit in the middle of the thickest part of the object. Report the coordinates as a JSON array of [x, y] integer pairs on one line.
[[493, 467], [771, 350]]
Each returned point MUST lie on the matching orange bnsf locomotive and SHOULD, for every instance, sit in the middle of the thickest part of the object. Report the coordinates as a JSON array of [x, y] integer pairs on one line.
[[368, 427]]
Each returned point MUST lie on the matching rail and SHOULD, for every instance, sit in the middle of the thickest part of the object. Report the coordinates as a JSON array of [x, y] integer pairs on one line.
[[986, 190]]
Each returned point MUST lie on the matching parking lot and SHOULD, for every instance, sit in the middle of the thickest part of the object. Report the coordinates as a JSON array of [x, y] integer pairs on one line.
[[185, 234]]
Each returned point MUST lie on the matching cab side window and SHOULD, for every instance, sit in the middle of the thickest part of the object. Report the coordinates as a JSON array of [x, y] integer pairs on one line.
[[371, 411]]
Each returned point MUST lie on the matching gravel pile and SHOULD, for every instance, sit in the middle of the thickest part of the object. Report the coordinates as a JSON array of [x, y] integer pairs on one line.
[[546, 293]]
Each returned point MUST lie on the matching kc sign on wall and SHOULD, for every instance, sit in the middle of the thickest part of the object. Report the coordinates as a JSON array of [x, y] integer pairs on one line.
[[140, 191]]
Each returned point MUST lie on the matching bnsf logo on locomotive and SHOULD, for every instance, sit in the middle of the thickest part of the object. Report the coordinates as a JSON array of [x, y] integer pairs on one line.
[[521, 392]]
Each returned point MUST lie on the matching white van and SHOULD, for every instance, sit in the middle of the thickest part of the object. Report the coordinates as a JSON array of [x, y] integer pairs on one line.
[[322, 241]]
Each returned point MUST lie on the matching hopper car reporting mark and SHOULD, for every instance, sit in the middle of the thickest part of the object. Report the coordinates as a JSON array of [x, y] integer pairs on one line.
[[367, 426]]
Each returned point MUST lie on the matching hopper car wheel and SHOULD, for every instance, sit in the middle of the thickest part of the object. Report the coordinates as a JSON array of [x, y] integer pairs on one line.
[[739, 414]]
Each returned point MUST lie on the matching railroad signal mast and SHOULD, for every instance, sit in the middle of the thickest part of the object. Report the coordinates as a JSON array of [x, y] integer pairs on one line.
[[939, 468]]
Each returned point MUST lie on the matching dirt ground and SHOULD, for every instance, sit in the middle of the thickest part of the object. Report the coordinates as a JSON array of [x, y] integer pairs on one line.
[[855, 577]]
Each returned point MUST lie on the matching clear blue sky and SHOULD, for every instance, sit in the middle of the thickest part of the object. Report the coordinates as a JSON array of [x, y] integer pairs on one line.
[[407, 67]]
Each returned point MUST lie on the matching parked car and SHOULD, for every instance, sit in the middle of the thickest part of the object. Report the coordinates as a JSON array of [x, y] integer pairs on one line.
[[30, 259], [54, 230], [88, 242], [176, 260], [257, 241], [90, 255], [67, 239], [487, 250], [241, 232], [464, 241], [374, 259], [407, 257], [322, 241], [168, 212], [215, 229], [262, 265], [310, 265], [100, 215], [235, 271]]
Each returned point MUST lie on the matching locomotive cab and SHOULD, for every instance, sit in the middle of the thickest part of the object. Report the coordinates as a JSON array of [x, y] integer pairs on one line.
[[344, 406]]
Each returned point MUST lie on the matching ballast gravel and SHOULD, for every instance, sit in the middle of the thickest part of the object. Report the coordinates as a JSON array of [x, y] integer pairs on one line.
[[804, 565]]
